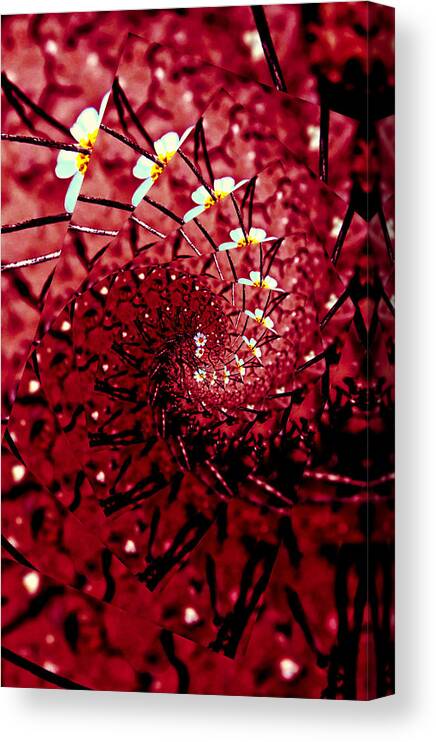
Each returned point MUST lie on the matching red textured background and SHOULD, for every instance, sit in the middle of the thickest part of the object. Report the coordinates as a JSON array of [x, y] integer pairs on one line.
[[289, 577]]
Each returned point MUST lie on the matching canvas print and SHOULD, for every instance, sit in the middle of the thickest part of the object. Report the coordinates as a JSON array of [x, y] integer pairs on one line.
[[198, 350]]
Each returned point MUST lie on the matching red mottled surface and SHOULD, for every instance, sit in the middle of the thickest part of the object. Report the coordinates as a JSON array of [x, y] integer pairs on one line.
[[198, 412]]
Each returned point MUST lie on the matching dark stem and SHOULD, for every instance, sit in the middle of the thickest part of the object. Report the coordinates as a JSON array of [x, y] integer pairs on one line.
[[12, 90], [324, 143], [130, 143], [40, 142], [39, 221], [268, 48]]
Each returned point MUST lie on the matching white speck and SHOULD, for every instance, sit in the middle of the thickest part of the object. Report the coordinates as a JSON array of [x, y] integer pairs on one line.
[[31, 582], [65, 326], [288, 668], [104, 290], [191, 615], [94, 415], [101, 477], [51, 47], [49, 639], [252, 40], [18, 472], [160, 73], [33, 386], [50, 666], [92, 59], [129, 547]]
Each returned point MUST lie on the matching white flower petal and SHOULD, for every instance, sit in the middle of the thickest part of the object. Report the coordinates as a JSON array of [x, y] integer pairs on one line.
[[141, 191], [73, 192], [245, 281], [85, 124], [168, 143], [192, 213], [241, 183], [200, 195], [103, 105], [224, 185], [227, 246], [237, 234], [185, 135], [66, 165], [257, 234], [143, 168], [255, 276]]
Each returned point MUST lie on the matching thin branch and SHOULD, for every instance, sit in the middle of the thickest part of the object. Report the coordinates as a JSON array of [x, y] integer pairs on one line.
[[324, 142], [268, 48], [39, 221], [31, 261], [40, 142], [130, 143], [343, 233], [13, 90], [131, 112], [147, 227], [106, 202], [197, 173], [94, 230]]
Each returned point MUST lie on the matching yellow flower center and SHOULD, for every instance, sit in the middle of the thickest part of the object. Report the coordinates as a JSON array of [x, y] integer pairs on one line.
[[217, 196], [248, 241], [82, 159], [159, 167]]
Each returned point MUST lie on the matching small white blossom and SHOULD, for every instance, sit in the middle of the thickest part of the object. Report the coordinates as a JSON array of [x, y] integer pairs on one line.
[[222, 187], [240, 239], [74, 164], [260, 318], [148, 170], [267, 282]]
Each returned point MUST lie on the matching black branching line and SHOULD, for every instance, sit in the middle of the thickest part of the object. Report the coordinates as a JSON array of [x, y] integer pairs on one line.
[[106, 561], [204, 148], [342, 234], [39, 221], [15, 554], [268, 48], [40, 142], [386, 234], [106, 202], [13, 92], [118, 90], [41, 672], [130, 143], [163, 209], [197, 174], [167, 641], [324, 142]]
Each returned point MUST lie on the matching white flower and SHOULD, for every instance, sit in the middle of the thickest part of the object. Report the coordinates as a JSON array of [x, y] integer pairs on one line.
[[259, 317], [200, 375], [252, 345], [74, 164], [148, 170], [205, 199], [226, 375], [199, 352], [240, 365], [200, 339], [239, 239], [267, 282]]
